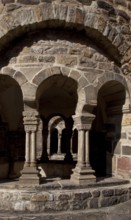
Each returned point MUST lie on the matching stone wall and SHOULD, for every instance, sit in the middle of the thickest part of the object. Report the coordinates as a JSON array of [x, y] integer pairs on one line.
[[21, 200]]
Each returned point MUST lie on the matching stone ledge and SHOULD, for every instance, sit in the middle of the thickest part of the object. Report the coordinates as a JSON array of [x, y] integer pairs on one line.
[[41, 199]]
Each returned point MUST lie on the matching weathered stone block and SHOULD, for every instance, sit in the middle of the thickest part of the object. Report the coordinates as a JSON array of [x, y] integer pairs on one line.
[[41, 76], [74, 51], [86, 62], [24, 16], [124, 47], [82, 195], [126, 150], [83, 82], [112, 34], [71, 15], [29, 90], [63, 9], [79, 16], [62, 205], [65, 71], [123, 198], [78, 205], [123, 163], [107, 30], [104, 5], [123, 14], [118, 40], [75, 75], [117, 148], [50, 206], [8, 71], [63, 196], [66, 60], [104, 65], [31, 71], [46, 59], [46, 11], [20, 78], [108, 192], [42, 197], [119, 78], [90, 93], [11, 7], [89, 19], [105, 202], [94, 203], [119, 192], [55, 70], [96, 193], [27, 59]]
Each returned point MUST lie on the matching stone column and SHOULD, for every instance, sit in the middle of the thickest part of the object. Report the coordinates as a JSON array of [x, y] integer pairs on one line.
[[30, 173], [83, 173], [48, 144], [27, 149], [59, 143]]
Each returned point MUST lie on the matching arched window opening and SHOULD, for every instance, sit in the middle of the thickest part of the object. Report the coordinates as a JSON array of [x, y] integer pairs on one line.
[[107, 127]]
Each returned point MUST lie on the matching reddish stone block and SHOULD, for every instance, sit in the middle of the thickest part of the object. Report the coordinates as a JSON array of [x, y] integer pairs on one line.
[[124, 163]]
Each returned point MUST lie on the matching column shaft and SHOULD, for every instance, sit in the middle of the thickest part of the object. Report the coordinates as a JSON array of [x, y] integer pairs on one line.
[[87, 148], [81, 149], [33, 149], [27, 149], [59, 144], [48, 143]]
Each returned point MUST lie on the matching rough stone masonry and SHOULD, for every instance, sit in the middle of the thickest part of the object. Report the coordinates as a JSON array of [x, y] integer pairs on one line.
[[65, 85]]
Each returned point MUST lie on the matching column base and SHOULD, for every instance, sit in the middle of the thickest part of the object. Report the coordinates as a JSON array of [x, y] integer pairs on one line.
[[83, 175], [30, 176]]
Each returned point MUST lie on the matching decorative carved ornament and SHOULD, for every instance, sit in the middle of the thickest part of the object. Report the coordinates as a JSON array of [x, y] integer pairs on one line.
[[31, 120]]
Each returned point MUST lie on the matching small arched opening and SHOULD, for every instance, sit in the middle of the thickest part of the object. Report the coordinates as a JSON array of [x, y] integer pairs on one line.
[[106, 129], [57, 101], [12, 136]]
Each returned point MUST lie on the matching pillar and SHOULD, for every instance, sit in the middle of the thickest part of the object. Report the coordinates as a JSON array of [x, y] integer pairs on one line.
[[48, 144], [83, 173], [59, 143], [30, 173]]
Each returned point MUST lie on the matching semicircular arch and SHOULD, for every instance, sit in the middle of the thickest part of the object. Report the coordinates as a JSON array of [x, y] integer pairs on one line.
[[112, 77], [52, 17]]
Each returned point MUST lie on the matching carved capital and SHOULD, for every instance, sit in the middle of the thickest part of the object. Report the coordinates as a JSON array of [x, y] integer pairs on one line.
[[84, 122], [31, 120]]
